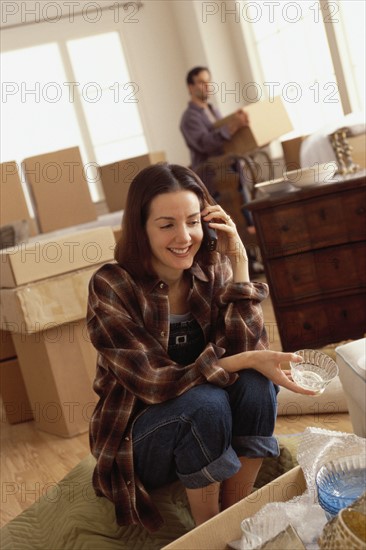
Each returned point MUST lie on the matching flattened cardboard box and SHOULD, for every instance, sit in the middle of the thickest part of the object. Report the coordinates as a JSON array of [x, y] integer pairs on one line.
[[268, 120], [215, 533], [38, 306], [117, 176], [44, 258]]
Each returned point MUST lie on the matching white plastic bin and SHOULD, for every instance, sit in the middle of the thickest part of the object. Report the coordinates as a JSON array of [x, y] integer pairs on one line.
[[351, 360]]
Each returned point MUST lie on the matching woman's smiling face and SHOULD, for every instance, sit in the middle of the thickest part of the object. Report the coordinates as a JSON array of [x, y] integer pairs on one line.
[[174, 231]]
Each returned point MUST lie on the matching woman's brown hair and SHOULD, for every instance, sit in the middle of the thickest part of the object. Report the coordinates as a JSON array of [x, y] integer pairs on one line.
[[133, 251]]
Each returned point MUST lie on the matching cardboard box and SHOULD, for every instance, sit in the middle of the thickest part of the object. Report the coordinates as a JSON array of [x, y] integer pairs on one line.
[[117, 232], [291, 152], [116, 177], [13, 206], [58, 369], [268, 120], [7, 349], [59, 189], [358, 149], [215, 533], [39, 306], [15, 403], [47, 257]]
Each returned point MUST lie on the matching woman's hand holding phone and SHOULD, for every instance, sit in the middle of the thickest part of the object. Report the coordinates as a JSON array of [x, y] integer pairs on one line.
[[209, 236], [227, 239]]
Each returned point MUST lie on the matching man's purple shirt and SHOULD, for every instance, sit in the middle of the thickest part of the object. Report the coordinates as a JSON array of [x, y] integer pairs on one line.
[[202, 139]]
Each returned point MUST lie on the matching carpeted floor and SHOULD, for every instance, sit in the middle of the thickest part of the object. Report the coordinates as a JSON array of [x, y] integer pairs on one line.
[[69, 516]]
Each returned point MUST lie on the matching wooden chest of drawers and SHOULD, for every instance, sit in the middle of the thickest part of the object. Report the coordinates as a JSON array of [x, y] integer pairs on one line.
[[313, 245]]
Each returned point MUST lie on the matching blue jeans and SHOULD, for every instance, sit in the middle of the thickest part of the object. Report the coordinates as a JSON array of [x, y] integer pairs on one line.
[[198, 436]]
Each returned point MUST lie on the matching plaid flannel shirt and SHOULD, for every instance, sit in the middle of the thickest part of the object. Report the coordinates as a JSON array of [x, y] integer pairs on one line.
[[128, 323]]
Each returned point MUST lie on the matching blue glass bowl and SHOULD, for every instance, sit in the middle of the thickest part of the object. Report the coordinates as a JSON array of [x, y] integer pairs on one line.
[[340, 482]]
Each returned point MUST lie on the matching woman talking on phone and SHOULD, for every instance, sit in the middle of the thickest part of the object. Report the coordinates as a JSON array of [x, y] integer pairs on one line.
[[187, 387]]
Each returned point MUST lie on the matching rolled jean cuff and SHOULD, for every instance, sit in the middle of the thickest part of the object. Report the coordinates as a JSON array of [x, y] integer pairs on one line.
[[222, 468], [256, 446]]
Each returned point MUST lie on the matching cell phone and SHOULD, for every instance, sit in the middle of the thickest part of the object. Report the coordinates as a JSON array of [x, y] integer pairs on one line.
[[209, 237]]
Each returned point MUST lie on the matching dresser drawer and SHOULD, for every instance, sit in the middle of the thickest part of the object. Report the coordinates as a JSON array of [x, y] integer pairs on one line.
[[320, 272], [318, 323], [314, 223]]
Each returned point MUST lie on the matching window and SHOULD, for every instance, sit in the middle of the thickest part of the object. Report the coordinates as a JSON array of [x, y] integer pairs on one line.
[[285, 42], [35, 104], [108, 97], [64, 94], [351, 39]]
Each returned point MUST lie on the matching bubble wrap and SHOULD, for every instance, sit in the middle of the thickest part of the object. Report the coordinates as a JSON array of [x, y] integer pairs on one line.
[[307, 518], [318, 446]]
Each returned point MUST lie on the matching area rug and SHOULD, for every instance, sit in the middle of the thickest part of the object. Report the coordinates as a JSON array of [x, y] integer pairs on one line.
[[71, 517]]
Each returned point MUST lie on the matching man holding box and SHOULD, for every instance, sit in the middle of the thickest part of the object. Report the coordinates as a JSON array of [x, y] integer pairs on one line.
[[206, 142], [197, 124]]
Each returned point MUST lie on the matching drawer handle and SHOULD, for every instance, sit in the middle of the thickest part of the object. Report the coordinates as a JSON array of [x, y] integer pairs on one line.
[[322, 214], [344, 313], [284, 228], [336, 262], [307, 326]]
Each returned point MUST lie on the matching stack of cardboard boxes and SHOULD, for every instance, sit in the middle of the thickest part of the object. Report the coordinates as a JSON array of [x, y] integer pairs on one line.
[[47, 361], [43, 304]]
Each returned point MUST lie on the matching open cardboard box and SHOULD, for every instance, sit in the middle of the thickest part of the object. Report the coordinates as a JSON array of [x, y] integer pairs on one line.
[[215, 533], [268, 120]]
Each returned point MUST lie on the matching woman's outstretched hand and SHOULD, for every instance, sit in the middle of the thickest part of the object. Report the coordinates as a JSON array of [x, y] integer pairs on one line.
[[268, 363]]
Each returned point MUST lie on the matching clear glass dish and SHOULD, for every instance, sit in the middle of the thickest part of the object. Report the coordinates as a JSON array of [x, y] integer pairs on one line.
[[315, 371], [259, 529]]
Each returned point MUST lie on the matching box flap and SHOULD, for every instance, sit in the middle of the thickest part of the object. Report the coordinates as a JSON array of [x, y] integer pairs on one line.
[[215, 533]]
